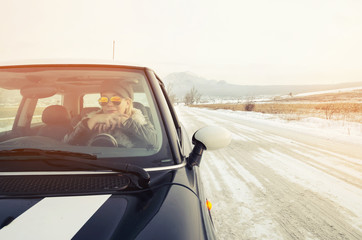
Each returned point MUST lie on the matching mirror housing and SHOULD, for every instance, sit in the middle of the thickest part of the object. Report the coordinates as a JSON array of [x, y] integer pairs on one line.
[[207, 138]]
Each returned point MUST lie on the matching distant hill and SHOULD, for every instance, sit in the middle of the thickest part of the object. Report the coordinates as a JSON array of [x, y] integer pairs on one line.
[[182, 82]]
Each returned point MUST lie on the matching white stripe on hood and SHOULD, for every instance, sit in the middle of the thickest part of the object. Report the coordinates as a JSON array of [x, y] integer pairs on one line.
[[54, 218]]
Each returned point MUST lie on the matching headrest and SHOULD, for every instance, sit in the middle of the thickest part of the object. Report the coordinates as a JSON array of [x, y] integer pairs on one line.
[[55, 114]]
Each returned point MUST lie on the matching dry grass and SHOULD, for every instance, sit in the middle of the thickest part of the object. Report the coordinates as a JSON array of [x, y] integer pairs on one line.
[[350, 96], [346, 106], [296, 111]]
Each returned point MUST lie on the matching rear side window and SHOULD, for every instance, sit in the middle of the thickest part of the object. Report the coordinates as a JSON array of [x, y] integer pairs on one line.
[[9, 104], [42, 104]]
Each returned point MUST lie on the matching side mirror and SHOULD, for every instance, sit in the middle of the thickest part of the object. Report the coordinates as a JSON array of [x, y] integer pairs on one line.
[[207, 138]]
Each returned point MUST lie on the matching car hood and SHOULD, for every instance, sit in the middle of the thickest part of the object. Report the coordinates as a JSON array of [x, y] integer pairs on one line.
[[170, 212]]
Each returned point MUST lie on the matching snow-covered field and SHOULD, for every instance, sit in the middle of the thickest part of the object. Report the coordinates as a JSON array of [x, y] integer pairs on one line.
[[328, 91], [282, 179], [271, 98]]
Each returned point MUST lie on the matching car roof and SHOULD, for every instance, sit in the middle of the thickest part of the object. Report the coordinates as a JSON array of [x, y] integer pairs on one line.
[[66, 76], [69, 61]]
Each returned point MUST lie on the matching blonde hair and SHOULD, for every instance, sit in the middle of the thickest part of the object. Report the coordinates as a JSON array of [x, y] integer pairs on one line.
[[129, 110]]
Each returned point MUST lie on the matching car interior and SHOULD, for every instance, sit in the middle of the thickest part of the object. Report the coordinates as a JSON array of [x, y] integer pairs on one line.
[[51, 102]]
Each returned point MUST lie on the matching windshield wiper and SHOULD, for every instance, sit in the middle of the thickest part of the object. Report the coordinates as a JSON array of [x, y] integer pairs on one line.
[[33, 154], [30, 152]]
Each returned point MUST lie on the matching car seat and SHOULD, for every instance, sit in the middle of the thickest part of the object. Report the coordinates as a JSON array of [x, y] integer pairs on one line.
[[57, 122], [145, 110]]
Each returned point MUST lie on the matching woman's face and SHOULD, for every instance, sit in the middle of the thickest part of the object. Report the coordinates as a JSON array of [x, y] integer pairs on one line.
[[110, 107]]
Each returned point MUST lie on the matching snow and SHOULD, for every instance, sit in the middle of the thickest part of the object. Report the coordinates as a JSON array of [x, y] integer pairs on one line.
[[328, 91], [268, 98], [267, 185], [333, 128]]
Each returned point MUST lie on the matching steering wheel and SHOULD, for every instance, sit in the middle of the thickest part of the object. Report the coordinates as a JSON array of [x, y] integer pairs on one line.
[[103, 140]]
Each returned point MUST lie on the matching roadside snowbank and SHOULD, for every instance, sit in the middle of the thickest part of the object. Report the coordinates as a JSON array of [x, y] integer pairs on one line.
[[342, 130]]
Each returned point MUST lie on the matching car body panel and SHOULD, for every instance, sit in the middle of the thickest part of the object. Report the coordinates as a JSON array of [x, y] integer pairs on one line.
[[170, 211]]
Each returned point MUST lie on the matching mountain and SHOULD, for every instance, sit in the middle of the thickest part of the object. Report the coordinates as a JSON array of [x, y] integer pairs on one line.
[[182, 82]]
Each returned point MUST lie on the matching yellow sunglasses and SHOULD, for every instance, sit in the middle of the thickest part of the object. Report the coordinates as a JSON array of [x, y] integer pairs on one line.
[[103, 101]]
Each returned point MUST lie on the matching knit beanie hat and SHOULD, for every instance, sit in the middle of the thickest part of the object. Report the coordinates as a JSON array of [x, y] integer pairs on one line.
[[121, 88]]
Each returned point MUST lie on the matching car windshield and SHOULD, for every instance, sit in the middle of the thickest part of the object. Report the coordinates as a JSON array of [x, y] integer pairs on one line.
[[106, 111]]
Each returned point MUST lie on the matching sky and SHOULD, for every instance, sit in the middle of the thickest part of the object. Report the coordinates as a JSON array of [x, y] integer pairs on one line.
[[258, 42]]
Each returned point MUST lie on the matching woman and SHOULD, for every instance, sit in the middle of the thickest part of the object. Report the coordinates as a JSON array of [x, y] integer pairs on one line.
[[117, 117]]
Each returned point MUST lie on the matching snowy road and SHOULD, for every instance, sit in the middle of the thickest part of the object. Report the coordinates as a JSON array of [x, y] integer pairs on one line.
[[277, 181]]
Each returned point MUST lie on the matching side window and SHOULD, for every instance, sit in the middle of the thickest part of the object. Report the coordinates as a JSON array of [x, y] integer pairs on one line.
[[173, 113], [9, 104], [141, 98], [42, 104], [91, 100]]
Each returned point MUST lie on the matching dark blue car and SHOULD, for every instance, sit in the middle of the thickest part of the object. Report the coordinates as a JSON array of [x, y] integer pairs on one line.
[[74, 166]]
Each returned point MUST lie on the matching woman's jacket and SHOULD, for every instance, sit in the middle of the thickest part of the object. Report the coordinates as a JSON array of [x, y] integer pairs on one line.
[[136, 131]]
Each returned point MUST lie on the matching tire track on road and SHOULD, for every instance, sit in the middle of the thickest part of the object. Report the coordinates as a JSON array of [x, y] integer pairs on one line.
[[270, 200]]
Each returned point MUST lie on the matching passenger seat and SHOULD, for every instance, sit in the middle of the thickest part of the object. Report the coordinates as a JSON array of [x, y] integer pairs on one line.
[[57, 122]]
